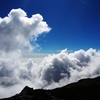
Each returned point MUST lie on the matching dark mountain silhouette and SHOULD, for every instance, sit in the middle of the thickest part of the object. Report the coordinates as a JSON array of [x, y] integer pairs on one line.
[[85, 89]]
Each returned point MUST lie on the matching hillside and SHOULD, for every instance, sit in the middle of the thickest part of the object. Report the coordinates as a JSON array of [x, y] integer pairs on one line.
[[85, 89]]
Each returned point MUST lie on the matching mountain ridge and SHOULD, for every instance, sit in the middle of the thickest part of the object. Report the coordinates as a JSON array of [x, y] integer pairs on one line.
[[84, 89]]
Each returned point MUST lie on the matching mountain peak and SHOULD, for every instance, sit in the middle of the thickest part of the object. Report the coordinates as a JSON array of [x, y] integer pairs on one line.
[[27, 91]]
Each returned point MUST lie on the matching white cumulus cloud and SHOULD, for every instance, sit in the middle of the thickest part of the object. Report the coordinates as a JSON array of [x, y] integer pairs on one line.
[[17, 28]]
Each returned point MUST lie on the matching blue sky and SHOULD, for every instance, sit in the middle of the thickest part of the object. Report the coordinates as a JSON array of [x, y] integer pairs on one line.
[[75, 23]]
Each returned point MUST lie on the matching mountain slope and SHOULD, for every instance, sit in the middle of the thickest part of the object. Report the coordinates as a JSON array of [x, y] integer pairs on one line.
[[85, 89]]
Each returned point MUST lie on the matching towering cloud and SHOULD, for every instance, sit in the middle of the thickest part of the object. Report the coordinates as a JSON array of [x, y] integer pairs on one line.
[[17, 28]]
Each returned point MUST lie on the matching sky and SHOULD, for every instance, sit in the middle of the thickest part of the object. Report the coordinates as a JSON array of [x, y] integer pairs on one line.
[[47, 44], [75, 23]]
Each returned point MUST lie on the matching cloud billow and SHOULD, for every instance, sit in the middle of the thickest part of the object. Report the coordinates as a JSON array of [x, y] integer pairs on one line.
[[72, 66], [54, 71], [17, 28]]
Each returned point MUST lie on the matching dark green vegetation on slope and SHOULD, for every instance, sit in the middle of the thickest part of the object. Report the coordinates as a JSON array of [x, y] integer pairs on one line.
[[85, 89]]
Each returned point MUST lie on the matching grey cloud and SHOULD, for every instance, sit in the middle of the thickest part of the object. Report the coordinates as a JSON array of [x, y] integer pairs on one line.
[[63, 65]]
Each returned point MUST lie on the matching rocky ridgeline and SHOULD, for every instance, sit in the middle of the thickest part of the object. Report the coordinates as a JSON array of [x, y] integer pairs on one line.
[[85, 89]]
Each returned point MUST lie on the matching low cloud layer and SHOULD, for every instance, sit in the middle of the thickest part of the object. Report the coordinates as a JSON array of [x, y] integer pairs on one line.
[[64, 68], [55, 70]]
